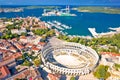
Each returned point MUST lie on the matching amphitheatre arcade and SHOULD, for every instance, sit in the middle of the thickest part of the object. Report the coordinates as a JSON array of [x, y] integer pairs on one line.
[[69, 58]]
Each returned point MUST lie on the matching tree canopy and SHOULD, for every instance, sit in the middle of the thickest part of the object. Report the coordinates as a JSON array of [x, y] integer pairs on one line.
[[72, 78], [95, 43], [101, 72]]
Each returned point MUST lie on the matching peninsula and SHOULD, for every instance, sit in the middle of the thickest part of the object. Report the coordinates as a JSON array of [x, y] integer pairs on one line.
[[37, 7], [92, 9], [5, 10]]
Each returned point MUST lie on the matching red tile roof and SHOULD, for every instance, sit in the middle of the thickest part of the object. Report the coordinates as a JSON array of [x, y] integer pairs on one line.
[[17, 55], [23, 37], [14, 39], [110, 53], [52, 76], [12, 48], [9, 56], [42, 43], [28, 45], [4, 72], [5, 62], [22, 74], [35, 49], [20, 46]]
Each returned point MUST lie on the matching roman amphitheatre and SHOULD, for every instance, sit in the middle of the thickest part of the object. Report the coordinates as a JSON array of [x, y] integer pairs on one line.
[[69, 58]]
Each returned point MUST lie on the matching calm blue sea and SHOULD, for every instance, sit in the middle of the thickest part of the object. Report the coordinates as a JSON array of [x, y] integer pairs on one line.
[[79, 23]]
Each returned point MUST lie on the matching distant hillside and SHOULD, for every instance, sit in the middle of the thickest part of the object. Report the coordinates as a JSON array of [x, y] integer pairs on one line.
[[98, 9]]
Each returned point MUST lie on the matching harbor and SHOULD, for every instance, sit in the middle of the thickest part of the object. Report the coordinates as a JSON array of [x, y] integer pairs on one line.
[[58, 12], [115, 29], [97, 35], [79, 24], [58, 26]]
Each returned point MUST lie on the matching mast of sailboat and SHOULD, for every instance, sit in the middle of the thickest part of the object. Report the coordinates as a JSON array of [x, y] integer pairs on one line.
[[44, 11], [67, 9], [2, 10]]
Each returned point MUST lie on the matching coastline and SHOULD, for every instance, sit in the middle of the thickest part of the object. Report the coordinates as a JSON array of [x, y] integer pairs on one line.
[[102, 34], [84, 21], [6, 10], [37, 41], [110, 33], [97, 35], [97, 9]]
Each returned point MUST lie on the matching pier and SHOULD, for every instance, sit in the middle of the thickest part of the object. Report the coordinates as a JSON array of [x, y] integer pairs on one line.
[[96, 35], [115, 29], [93, 32], [58, 25]]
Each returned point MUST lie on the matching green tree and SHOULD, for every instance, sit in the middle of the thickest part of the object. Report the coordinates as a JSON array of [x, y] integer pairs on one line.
[[117, 66], [15, 35], [26, 63], [72, 78], [40, 31], [23, 34], [64, 37], [37, 62], [50, 33], [75, 39], [102, 72]]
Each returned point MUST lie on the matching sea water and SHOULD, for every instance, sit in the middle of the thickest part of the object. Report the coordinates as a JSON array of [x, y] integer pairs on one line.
[[79, 23]]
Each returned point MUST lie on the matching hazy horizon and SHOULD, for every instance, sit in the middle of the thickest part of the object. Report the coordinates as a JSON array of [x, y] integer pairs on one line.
[[60, 2]]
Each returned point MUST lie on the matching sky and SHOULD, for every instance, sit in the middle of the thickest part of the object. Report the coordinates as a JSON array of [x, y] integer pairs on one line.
[[60, 2]]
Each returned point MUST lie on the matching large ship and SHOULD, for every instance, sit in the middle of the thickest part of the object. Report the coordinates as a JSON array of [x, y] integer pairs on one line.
[[57, 12]]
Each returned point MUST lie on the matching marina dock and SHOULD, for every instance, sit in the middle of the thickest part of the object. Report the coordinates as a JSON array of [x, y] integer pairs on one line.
[[58, 25], [93, 32], [97, 35]]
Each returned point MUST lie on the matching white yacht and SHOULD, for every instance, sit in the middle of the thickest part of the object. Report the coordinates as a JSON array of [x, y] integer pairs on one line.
[[56, 22]]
